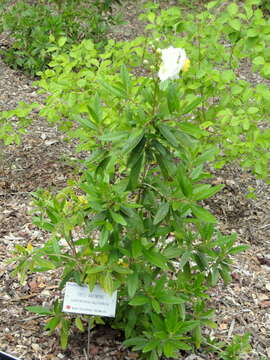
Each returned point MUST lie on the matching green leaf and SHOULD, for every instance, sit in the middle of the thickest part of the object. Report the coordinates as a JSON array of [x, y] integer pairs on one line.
[[238, 249], [206, 191], [212, 4], [184, 182], [170, 299], [152, 344], [118, 218], [171, 320], [197, 334], [172, 252], [107, 283], [188, 108], [135, 174], [232, 9], [132, 141], [139, 300], [121, 269], [42, 265], [201, 260], [172, 98], [225, 274], [87, 123], [113, 136], [156, 306], [213, 277], [186, 326], [136, 153], [258, 60], [61, 41], [136, 248], [56, 247], [161, 213], [125, 77], [207, 155], [64, 333], [96, 269], [235, 24], [137, 341], [169, 349], [104, 237], [185, 258], [155, 259], [113, 90], [79, 324], [151, 17], [158, 322], [52, 323], [253, 110], [168, 135], [132, 284], [203, 214], [39, 310], [191, 129], [95, 109]]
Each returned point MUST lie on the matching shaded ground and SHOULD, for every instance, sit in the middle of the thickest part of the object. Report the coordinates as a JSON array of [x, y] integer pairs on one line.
[[44, 160]]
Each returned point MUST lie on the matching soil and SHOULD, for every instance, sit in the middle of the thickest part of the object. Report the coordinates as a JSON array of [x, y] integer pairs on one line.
[[45, 159]]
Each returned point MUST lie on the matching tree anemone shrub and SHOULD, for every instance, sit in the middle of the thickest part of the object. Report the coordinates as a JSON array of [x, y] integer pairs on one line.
[[135, 221]]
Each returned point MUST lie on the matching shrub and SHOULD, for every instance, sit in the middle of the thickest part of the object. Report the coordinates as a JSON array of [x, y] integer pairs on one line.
[[137, 207], [37, 28]]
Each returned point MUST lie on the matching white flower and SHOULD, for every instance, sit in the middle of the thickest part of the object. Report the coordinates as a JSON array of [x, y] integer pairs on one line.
[[173, 61]]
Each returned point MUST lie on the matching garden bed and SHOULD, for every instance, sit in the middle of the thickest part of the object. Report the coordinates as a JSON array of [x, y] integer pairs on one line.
[[44, 159]]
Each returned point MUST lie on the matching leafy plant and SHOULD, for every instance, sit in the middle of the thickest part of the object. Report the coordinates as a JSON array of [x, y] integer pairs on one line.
[[237, 349], [135, 221], [265, 5], [36, 28]]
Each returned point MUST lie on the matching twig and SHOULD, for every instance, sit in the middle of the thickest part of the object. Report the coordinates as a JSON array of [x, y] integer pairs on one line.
[[85, 354], [24, 297], [31, 318], [265, 226], [88, 338], [231, 328]]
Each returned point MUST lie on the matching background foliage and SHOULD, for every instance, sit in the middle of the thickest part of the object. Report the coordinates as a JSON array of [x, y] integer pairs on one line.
[[39, 27]]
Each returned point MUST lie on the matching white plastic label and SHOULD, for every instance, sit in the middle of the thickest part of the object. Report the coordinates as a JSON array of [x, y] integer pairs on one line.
[[80, 300]]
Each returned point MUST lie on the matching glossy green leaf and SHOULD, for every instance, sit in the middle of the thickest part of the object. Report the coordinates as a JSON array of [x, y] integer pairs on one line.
[[132, 284], [155, 258], [39, 310], [168, 135], [79, 324], [162, 212], [203, 214], [139, 300], [118, 218], [132, 141]]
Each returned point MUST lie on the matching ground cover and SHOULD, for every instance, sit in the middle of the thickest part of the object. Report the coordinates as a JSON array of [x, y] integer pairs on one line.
[[45, 159]]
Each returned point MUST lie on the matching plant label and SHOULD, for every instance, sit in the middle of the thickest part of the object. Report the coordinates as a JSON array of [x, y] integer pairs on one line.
[[80, 300]]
